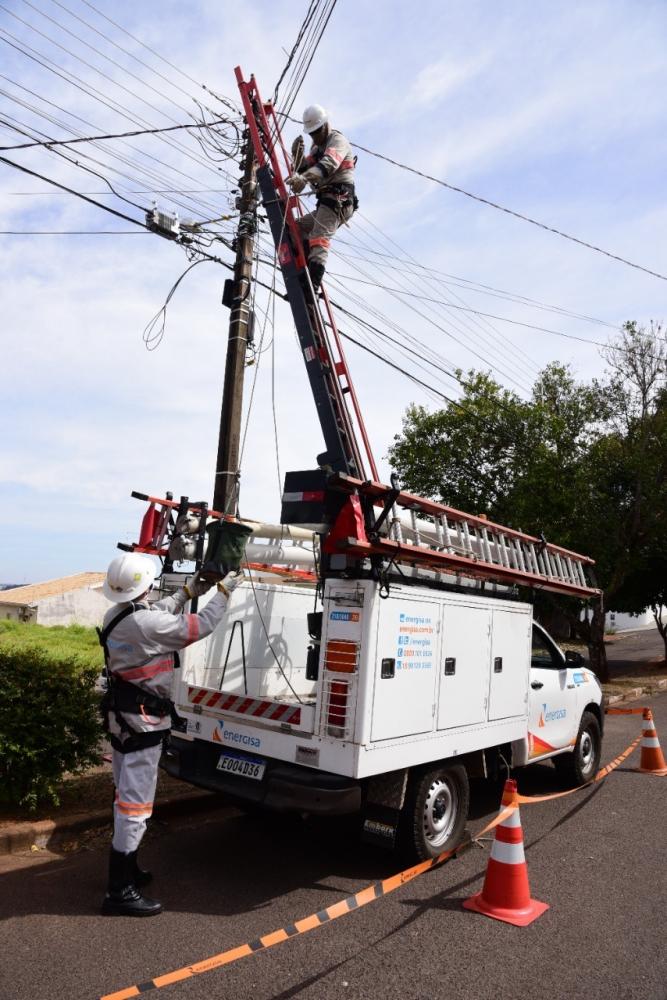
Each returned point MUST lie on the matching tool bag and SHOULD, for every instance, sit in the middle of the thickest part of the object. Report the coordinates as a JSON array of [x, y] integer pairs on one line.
[[225, 550]]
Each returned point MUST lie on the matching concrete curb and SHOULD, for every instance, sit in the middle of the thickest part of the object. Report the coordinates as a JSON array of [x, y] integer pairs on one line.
[[633, 693], [51, 832]]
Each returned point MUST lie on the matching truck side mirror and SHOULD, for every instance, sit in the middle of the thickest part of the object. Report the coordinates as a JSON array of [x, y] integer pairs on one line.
[[573, 658]]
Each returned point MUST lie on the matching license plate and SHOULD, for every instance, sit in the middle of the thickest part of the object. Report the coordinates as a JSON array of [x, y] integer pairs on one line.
[[244, 767]]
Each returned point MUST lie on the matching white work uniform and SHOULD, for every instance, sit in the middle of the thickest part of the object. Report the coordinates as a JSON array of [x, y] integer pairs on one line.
[[141, 650], [327, 168]]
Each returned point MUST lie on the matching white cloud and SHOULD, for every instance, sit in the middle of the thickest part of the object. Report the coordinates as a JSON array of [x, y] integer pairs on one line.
[[558, 113]]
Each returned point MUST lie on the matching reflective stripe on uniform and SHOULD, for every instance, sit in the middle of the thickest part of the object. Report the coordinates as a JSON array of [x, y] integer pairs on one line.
[[134, 808], [334, 154], [193, 628], [147, 671], [320, 241]]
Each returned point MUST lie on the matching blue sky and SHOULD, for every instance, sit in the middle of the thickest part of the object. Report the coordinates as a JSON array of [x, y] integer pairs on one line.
[[556, 111]]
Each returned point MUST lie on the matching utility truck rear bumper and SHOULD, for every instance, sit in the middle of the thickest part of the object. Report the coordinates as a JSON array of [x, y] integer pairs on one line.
[[283, 786]]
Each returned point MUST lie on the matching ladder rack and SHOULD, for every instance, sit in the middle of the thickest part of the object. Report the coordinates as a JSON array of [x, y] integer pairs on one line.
[[326, 365], [464, 544]]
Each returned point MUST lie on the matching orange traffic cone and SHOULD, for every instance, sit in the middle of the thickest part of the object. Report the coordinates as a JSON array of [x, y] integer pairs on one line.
[[652, 760], [506, 893]]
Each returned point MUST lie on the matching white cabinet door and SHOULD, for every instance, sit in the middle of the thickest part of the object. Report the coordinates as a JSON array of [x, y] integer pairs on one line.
[[464, 666], [405, 668], [510, 664]]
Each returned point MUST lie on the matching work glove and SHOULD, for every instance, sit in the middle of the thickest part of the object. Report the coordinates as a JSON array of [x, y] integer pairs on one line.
[[197, 587], [230, 582], [298, 150], [296, 182]]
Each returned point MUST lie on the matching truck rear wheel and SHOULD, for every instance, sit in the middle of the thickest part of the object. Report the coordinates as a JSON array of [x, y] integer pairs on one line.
[[583, 763], [435, 812]]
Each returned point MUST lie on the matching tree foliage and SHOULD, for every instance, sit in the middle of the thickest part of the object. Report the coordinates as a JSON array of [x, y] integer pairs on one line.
[[585, 464]]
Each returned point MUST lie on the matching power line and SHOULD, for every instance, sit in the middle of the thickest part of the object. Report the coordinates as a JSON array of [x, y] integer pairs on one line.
[[103, 55], [469, 284], [450, 305], [93, 92], [510, 211], [148, 172], [486, 329], [31, 194], [143, 44], [115, 135], [500, 208], [310, 36], [73, 232], [120, 47], [462, 324], [77, 194], [302, 29]]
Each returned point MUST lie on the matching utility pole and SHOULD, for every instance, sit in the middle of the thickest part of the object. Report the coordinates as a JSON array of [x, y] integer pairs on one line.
[[225, 491]]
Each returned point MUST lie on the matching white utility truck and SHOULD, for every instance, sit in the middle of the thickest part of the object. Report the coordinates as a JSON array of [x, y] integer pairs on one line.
[[407, 663], [385, 706]]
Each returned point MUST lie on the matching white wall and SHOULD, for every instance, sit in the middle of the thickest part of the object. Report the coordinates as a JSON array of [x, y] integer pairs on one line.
[[86, 606], [16, 612], [619, 621]]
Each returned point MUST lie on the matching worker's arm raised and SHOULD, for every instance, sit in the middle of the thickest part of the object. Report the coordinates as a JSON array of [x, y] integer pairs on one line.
[[167, 632], [176, 602]]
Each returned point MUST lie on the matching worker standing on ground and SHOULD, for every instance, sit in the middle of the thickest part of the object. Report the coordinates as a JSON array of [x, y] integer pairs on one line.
[[140, 645], [329, 168]]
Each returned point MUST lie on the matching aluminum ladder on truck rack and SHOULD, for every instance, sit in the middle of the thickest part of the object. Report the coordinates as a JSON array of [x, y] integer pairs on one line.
[[448, 540], [323, 354]]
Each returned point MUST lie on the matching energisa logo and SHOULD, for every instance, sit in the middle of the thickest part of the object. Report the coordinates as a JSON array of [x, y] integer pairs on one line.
[[556, 713], [229, 736]]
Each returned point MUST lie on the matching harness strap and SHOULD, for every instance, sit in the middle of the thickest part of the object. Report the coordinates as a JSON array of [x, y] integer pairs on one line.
[[123, 696], [103, 634]]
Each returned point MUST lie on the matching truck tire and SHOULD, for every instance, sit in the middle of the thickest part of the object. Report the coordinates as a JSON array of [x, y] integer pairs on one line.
[[583, 763], [435, 812]]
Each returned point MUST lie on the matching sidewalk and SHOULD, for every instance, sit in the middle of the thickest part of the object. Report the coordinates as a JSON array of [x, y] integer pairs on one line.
[[81, 820]]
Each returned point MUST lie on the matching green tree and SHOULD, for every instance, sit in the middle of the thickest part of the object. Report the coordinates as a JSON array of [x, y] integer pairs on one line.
[[586, 464]]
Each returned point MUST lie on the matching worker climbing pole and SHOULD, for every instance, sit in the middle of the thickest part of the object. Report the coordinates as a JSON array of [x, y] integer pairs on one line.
[[316, 328]]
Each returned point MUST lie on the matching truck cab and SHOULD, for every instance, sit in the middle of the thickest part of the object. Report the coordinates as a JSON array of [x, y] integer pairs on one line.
[[565, 718]]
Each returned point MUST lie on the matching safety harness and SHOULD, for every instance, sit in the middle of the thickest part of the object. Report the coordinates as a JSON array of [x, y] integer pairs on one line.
[[123, 696], [336, 196]]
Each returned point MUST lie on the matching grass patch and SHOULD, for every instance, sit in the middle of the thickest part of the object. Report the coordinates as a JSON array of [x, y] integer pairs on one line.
[[75, 642]]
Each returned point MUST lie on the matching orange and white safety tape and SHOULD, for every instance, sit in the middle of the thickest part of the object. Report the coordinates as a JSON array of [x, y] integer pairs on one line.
[[376, 890]]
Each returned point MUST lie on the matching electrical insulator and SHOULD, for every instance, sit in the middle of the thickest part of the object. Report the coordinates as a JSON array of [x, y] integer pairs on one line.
[[187, 524], [183, 548]]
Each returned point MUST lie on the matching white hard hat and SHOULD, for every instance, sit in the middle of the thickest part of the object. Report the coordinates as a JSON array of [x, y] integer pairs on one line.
[[128, 576], [313, 118]]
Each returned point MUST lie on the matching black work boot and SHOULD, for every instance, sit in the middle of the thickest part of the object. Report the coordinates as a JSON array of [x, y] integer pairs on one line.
[[141, 875], [123, 899], [316, 271]]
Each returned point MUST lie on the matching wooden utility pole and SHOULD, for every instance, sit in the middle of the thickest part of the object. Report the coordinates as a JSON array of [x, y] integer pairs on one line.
[[225, 491]]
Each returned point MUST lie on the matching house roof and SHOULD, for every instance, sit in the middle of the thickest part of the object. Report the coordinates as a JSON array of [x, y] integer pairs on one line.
[[32, 593]]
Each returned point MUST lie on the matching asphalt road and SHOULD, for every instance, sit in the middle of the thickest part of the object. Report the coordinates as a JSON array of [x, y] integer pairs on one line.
[[627, 649], [597, 857]]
